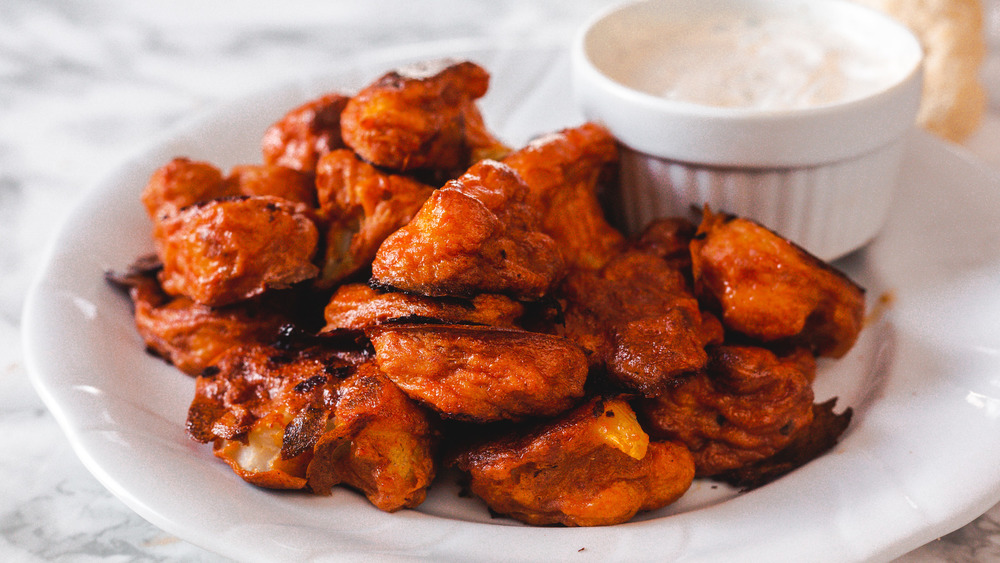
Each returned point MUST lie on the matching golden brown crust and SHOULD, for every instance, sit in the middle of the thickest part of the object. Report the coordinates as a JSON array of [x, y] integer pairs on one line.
[[224, 251], [670, 239], [482, 374], [275, 180], [287, 419], [379, 442], [565, 171], [302, 136], [770, 289], [478, 234], [638, 319], [746, 406], [183, 182], [419, 117], [814, 440], [361, 206], [593, 466], [189, 335]]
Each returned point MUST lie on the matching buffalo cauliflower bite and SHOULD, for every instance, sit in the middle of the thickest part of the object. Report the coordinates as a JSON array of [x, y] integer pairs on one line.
[[300, 138], [478, 234], [565, 171], [482, 374], [314, 418], [747, 405], [639, 321], [189, 335], [593, 466], [273, 180], [224, 251], [183, 182], [361, 206], [769, 289], [421, 117], [809, 443], [378, 441], [244, 402]]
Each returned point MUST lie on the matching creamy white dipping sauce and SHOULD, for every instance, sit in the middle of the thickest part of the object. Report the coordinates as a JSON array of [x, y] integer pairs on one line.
[[772, 62]]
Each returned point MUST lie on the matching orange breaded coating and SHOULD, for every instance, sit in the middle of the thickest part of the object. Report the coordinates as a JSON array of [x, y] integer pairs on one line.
[[246, 401], [478, 234], [188, 335], [809, 443], [670, 239], [421, 117], [380, 443], [363, 206], [564, 171], [274, 180], [639, 320], [593, 466], [224, 251], [483, 374], [183, 182], [291, 419], [769, 289], [747, 405], [300, 138], [358, 306]]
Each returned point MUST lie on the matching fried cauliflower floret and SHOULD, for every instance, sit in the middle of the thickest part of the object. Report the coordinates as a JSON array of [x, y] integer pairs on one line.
[[224, 251], [188, 335], [747, 405], [809, 443], [378, 442], [639, 321], [481, 374], [362, 206], [421, 117], [273, 180], [769, 289], [183, 182], [358, 306], [300, 138], [593, 466], [247, 399], [670, 239], [257, 459], [314, 418], [478, 234], [565, 171]]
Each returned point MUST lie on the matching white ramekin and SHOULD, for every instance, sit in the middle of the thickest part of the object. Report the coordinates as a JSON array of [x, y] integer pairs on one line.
[[821, 176]]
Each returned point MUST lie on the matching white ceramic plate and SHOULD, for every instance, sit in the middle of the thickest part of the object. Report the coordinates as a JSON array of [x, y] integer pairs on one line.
[[921, 457]]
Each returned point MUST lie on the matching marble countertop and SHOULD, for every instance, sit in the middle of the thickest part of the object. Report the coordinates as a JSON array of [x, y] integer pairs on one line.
[[82, 84]]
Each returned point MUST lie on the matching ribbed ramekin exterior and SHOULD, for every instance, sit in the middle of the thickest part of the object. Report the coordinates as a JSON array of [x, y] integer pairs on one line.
[[830, 209]]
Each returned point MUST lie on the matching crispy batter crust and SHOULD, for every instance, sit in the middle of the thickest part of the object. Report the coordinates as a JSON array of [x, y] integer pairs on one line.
[[746, 406], [420, 117], [478, 234], [482, 374], [224, 251], [770, 289], [593, 466]]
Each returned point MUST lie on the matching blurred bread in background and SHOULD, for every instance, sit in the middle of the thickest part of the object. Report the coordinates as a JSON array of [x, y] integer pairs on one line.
[[951, 31]]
